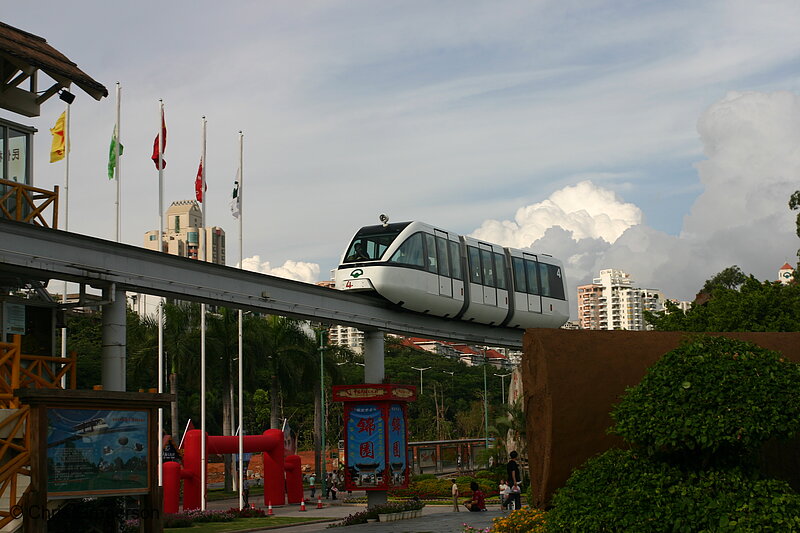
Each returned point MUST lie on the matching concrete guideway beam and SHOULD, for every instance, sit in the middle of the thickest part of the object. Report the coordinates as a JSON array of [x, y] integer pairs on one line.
[[27, 251]]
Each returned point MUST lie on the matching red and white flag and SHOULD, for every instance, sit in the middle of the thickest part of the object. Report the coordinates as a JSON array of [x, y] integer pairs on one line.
[[156, 151]]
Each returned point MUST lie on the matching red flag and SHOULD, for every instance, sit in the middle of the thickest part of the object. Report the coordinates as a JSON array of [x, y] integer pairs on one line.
[[163, 144], [198, 183]]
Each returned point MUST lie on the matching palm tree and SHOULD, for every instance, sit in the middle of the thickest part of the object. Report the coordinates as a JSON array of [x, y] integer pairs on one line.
[[282, 346], [222, 341], [182, 347], [331, 354], [510, 429]]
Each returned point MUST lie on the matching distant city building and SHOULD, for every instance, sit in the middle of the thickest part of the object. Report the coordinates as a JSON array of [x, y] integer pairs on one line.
[[612, 302], [346, 336], [182, 238], [786, 274], [183, 234], [683, 305]]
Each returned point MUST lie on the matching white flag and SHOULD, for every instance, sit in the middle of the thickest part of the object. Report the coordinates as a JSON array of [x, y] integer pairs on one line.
[[236, 201]]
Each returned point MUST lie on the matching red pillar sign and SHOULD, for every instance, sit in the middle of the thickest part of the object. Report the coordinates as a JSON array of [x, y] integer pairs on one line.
[[376, 435]]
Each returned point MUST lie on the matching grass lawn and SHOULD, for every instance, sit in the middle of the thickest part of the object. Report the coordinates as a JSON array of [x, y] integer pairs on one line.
[[240, 524], [219, 494]]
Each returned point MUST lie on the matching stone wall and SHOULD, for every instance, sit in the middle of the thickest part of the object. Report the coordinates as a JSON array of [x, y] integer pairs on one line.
[[572, 378]]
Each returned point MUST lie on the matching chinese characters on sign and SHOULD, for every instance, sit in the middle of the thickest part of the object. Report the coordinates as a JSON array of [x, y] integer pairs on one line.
[[365, 438], [397, 444]]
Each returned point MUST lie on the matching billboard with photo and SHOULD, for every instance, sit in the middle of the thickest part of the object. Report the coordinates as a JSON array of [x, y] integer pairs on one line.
[[96, 452]]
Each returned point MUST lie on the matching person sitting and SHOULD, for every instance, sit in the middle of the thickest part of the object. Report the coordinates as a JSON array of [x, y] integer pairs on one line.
[[359, 253], [477, 503]]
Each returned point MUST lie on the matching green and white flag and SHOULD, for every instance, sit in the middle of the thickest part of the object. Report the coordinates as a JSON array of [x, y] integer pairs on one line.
[[112, 154]]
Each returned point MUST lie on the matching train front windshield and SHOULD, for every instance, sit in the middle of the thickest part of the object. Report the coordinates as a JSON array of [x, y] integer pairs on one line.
[[371, 242]]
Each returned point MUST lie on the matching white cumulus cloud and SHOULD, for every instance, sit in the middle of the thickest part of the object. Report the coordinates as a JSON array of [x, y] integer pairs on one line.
[[752, 166], [296, 270], [584, 210]]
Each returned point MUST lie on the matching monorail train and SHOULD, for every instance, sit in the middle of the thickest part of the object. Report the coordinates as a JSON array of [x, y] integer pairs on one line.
[[428, 270]]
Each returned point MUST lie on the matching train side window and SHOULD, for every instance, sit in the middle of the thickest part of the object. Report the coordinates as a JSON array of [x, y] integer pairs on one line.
[[544, 279], [552, 280], [474, 265], [455, 259], [430, 245], [519, 275], [441, 254], [410, 252], [533, 277], [488, 268], [500, 263]]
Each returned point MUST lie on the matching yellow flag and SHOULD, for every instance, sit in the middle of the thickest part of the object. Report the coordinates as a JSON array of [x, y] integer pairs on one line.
[[59, 138]]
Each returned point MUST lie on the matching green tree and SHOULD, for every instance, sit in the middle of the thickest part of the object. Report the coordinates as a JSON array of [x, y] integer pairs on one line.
[[729, 278], [753, 306]]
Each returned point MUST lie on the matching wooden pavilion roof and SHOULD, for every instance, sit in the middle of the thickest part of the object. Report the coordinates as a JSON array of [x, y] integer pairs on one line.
[[22, 55]]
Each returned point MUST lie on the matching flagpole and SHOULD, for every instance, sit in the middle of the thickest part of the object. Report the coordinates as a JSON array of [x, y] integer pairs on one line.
[[160, 173], [161, 303], [118, 132], [203, 257], [160, 390], [66, 228], [241, 417]]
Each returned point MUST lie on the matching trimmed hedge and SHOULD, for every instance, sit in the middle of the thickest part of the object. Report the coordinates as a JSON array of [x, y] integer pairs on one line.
[[713, 394], [621, 491], [696, 421]]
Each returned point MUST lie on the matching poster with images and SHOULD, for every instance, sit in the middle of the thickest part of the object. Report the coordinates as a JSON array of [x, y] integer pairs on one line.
[[398, 451], [96, 452], [366, 456]]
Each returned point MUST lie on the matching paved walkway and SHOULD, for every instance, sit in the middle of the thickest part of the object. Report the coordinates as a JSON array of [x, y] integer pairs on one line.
[[435, 518]]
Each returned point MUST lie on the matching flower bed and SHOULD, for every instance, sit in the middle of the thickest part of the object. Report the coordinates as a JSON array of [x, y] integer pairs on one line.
[[523, 520]]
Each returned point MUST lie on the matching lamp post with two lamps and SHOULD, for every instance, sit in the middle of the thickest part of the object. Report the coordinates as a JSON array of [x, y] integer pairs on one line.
[[503, 384], [421, 370]]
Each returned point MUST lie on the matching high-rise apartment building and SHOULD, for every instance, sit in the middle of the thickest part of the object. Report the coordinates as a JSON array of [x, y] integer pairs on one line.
[[612, 302], [183, 234], [346, 336]]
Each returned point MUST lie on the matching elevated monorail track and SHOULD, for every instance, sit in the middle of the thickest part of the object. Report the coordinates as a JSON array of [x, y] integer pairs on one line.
[[28, 252]]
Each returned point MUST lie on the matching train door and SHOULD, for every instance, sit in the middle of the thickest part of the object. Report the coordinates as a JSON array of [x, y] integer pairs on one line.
[[475, 275], [532, 275], [431, 264], [489, 275], [445, 280], [456, 271]]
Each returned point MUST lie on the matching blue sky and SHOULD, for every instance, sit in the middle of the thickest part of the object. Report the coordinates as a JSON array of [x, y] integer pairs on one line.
[[455, 113]]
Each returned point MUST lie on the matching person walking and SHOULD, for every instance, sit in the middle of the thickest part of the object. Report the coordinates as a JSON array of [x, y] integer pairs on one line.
[[454, 490], [312, 479]]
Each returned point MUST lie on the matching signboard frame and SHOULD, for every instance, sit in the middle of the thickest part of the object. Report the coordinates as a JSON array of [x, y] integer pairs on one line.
[[376, 435], [43, 400]]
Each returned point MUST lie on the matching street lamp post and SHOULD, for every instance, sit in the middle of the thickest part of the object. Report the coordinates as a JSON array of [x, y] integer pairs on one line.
[[485, 404], [421, 370], [322, 409], [503, 384]]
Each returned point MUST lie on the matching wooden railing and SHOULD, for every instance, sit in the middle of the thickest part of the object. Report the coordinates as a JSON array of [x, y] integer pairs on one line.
[[27, 204], [18, 370]]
